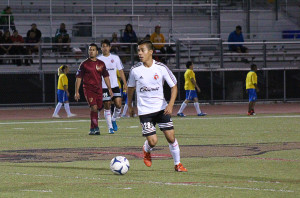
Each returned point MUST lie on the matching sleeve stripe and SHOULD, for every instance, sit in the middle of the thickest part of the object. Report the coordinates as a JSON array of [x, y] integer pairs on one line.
[[169, 72]]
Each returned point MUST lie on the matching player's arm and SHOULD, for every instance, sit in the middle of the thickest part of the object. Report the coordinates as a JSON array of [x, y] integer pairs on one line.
[[107, 82], [77, 86], [169, 108], [194, 83], [122, 75], [130, 92]]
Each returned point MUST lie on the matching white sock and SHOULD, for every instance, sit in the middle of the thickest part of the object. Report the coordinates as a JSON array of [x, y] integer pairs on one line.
[[197, 107], [183, 105], [116, 114], [147, 148], [57, 108], [67, 108], [107, 116], [175, 151], [125, 110]]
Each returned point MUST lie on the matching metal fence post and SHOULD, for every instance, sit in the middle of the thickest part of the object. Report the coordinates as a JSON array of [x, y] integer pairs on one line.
[[55, 86], [284, 85], [177, 54], [40, 57], [211, 87], [221, 53], [265, 54], [132, 54]]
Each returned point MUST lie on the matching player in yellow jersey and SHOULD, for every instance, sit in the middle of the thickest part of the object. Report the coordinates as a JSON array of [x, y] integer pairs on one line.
[[63, 92], [251, 88], [190, 91]]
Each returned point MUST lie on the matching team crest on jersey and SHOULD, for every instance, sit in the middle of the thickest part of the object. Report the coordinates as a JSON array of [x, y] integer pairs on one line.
[[156, 77], [98, 68], [112, 61]]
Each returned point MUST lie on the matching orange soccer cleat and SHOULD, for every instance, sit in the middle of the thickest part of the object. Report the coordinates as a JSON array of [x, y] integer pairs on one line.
[[147, 158], [180, 168]]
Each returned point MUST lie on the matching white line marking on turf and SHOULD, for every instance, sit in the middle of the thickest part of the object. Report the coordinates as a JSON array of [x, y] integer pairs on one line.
[[225, 187], [243, 117], [19, 128], [202, 118], [38, 191], [133, 127], [165, 183], [47, 122]]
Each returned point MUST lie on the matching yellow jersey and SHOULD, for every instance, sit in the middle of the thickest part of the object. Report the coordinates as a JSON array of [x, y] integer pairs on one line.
[[188, 75], [62, 81], [251, 80], [157, 38]]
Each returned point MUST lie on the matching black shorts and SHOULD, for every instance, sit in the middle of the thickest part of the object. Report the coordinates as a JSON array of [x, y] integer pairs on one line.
[[106, 96], [149, 121]]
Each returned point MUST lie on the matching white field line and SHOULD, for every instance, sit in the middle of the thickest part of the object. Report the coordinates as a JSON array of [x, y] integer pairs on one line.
[[188, 118], [47, 122], [167, 183], [243, 117], [225, 187], [43, 191]]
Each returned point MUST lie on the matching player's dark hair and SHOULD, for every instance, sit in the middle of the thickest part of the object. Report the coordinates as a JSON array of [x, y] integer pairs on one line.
[[93, 45], [148, 44], [188, 64], [105, 41], [253, 66], [238, 27]]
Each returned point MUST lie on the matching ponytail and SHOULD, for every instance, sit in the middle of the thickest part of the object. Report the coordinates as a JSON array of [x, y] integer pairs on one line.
[[61, 69]]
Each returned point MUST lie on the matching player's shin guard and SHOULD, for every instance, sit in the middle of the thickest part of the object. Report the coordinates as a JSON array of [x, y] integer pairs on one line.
[[175, 151], [57, 108], [183, 105], [147, 147], [107, 115], [94, 119], [67, 108], [196, 105], [125, 110], [116, 114]]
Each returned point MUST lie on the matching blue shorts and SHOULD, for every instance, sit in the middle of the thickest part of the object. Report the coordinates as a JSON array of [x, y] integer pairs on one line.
[[190, 94], [252, 95], [62, 96], [124, 95]]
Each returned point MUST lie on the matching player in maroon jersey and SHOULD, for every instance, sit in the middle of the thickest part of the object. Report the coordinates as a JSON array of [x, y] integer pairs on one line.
[[90, 72]]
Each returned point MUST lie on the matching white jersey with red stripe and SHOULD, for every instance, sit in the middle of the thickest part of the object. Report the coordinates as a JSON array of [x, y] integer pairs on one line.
[[149, 83], [113, 63]]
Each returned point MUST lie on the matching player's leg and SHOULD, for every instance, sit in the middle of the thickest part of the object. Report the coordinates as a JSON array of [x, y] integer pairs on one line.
[[94, 120], [118, 105], [117, 112], [197, 107], [185, 103], [67, 106], [91, 98], [107, 111], [60, 97], [166, 125], [149, 132]]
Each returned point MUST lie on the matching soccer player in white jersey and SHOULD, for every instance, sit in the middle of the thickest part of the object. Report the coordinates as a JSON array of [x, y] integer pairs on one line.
[[148, 77], [113, 63]]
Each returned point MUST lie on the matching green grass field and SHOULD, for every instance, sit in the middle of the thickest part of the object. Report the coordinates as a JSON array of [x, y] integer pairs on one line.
[[263, 171]]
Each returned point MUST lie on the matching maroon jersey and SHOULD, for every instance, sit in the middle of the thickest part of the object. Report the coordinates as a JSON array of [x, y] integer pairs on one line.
[[91, 73]]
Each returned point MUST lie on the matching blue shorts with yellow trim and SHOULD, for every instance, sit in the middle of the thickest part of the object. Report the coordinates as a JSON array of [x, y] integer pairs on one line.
[[190, 94], [252, 95], [62, 96]]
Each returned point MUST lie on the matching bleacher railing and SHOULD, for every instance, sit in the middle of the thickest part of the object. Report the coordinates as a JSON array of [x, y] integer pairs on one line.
[[220, 73]]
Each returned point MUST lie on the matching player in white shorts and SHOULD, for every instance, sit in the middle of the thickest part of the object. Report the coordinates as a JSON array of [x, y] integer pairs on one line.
[[148, 77], [113, 63]]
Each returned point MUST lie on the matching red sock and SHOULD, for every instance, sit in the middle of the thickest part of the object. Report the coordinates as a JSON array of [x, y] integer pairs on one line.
[[94, 119]]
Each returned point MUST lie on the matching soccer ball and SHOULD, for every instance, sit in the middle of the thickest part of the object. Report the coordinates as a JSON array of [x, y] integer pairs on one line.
[[119, 165]]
